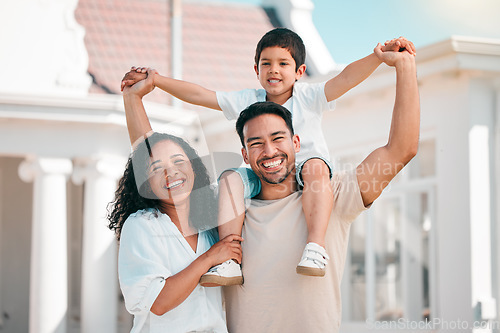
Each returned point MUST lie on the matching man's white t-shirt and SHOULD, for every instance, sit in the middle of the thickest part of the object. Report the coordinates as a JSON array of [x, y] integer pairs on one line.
[[307, 104], [273, 297], [151, 250]]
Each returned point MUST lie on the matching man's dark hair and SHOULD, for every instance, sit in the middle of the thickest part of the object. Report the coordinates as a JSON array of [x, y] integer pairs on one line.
[[258, 109], [285, 38]]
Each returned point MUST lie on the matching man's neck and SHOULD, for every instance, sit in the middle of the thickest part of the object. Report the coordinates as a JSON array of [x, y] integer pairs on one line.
[[278, 191]]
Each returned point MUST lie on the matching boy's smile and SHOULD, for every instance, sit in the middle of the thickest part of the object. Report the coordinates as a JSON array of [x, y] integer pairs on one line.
[[276, 73]]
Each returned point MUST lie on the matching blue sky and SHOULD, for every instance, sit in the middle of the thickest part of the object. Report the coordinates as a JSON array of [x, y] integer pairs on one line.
[[352, 28]]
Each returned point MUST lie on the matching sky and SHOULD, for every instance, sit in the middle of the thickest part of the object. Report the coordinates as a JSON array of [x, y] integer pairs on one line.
[[352, 28]]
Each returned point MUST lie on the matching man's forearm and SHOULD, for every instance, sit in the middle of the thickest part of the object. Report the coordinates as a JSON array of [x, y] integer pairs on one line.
[[405, 126]]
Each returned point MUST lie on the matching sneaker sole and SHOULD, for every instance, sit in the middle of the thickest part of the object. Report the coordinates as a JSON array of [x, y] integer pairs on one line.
[[217, 281], [309, 271]]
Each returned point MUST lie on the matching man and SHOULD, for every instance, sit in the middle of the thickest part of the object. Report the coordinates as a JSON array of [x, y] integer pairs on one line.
[[273, 297]]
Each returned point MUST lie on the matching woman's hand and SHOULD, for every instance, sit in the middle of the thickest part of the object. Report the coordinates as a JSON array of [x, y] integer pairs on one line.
[[393, 58], [227, 248], [142, 87]]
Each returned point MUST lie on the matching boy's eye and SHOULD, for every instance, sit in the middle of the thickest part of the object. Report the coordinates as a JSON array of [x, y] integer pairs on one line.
[[283, 63]]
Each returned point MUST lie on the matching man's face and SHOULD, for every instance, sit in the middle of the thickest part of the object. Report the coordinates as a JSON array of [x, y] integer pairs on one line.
[[270, 148]]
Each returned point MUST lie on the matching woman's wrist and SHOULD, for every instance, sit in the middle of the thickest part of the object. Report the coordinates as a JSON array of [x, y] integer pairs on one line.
[[205, 261], [131, 96]]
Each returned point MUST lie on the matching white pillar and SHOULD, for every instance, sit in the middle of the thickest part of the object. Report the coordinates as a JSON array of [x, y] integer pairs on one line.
[[480, 164], [99, 301], [49, 264]]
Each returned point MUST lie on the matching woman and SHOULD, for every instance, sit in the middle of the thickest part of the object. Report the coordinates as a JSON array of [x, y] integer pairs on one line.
[[162, 214]]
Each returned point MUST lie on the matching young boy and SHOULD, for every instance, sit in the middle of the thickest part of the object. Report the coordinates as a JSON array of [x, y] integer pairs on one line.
[[279, 63]]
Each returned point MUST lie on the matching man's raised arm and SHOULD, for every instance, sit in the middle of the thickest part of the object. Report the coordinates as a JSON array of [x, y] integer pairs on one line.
[[382, 165]]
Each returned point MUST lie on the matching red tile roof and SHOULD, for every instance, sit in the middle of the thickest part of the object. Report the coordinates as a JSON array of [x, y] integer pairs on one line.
[[219, 41]]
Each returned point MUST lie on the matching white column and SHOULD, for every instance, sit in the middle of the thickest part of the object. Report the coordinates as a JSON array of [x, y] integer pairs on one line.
[[49, 264], [496, 145], [99, 249], [480, 164]]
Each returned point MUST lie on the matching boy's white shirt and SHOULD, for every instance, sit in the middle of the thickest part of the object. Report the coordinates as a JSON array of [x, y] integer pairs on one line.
[[307, 104]]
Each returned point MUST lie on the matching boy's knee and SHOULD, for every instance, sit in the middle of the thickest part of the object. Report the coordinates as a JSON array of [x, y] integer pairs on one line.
[[231, 177], [315, 168]]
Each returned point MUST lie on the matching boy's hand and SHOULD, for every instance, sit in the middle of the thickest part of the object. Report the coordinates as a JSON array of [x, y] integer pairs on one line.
[[142, 87], [135, 75], [393, 58], [398, 45]]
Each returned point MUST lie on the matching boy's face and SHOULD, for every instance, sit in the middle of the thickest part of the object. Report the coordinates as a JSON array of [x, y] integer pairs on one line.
[[276, 73]]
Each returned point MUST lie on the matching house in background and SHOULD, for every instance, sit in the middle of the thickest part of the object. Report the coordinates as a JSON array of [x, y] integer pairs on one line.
[[425, 250]]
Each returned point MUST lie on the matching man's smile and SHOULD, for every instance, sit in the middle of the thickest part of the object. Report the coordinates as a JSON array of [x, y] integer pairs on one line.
[[273, 164]]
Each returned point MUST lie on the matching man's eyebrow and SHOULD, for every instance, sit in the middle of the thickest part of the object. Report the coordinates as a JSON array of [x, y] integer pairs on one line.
[[253, 138], [272, 134]]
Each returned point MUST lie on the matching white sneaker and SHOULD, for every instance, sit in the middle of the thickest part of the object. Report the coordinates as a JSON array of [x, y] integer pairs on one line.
[[226, 274], [314, 260]]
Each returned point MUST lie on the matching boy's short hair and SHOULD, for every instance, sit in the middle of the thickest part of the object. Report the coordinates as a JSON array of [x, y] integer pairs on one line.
[[285, 38], [258, 109]]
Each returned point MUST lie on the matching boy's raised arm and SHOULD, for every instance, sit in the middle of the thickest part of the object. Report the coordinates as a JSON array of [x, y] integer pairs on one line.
[[358, 71], [186, 91]]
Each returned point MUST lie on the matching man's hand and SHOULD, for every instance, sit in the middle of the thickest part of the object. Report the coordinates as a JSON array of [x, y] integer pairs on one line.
[[392, 58], [398, 45], [142, 87], [135, 75]]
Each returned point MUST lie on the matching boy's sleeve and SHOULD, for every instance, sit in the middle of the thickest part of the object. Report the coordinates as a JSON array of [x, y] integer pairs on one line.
[[142, 276], [312, 95], [233, 102]]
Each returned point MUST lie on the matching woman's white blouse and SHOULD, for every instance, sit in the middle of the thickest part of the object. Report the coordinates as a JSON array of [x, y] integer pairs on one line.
[[151, 250]]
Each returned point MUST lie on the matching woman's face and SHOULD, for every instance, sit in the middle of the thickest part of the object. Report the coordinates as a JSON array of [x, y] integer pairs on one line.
[[171, 175]]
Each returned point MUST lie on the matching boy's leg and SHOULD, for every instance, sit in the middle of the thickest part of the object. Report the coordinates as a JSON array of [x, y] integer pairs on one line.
[[231, 204], [317, 203], [234, 187]]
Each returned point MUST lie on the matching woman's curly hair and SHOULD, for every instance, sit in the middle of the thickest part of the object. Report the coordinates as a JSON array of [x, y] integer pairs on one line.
[[134, 192]]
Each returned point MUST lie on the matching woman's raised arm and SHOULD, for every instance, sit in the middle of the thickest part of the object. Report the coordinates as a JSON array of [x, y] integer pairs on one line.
[[137, 120]]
